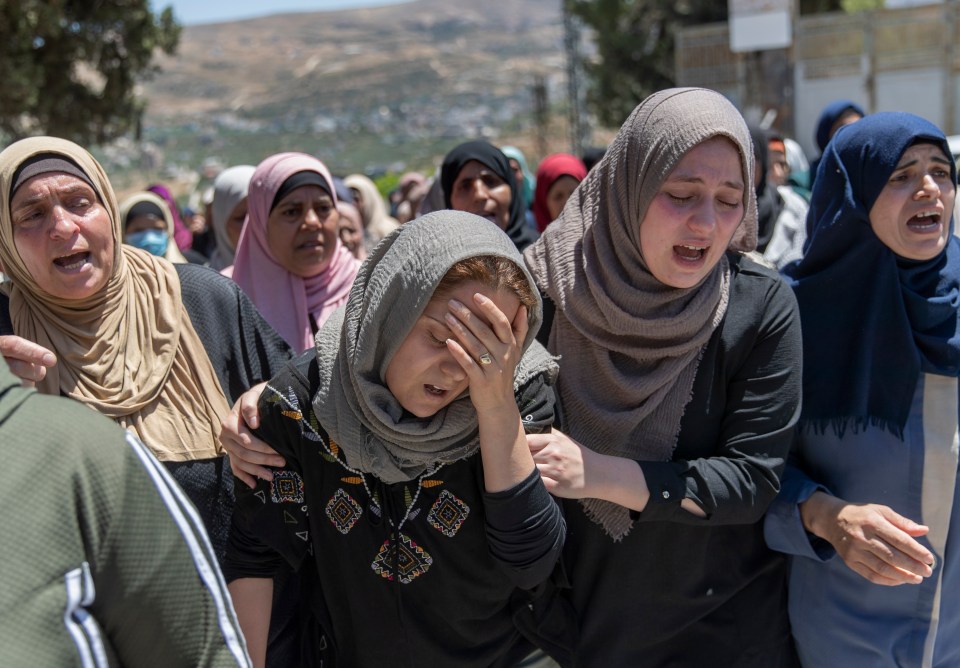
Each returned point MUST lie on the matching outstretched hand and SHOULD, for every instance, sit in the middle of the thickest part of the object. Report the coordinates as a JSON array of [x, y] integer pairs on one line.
[[249, 456], [27, 360], [872, 539]]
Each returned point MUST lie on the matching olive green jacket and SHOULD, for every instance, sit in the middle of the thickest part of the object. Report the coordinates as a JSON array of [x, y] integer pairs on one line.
[[103, 561]]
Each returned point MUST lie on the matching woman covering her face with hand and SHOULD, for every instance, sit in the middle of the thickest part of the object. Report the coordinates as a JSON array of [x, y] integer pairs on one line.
[[870, 509], [407, 496], [678, 394], [290, 260]]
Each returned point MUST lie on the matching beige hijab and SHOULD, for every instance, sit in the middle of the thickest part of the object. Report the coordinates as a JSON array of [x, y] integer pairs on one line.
[[173, 253], [130, 351], [629, 344]]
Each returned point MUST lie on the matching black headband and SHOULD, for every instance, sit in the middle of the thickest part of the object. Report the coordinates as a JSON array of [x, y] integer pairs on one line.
[[46, 163], [297, 180], [144, 209]]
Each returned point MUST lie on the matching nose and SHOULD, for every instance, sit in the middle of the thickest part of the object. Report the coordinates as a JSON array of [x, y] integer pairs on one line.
[[705, 215], [311, 218], [479, 191], [929, 187], [451, 368], [63, 226]]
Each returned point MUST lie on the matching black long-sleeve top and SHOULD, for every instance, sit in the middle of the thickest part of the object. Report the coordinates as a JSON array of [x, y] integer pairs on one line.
[[683, 591], [421, 573]]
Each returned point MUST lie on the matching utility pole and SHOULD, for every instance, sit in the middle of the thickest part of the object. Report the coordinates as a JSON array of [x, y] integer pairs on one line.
[[541, 113], [571, 39]]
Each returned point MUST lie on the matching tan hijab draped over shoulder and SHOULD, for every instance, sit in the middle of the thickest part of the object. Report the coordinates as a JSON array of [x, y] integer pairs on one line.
[[629, 344], [129, 351]]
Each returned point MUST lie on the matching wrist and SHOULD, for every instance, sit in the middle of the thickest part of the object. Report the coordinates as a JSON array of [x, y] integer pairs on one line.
[[615, 479], [815, 513]]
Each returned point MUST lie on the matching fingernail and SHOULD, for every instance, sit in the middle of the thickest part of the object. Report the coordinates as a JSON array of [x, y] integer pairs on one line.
[[49, 359], [480, 297], [456, 304]]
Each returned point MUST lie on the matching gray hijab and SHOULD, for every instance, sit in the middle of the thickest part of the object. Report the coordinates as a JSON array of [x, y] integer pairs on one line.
[[630, 344], [229, 188], [357, 342]]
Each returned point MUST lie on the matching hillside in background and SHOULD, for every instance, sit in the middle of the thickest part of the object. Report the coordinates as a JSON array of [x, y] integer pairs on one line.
[[368, 89]]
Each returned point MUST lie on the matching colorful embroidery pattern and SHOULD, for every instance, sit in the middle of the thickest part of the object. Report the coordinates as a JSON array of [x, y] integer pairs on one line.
[[287, 487], [448, 514], [343, 511], [411, 560]]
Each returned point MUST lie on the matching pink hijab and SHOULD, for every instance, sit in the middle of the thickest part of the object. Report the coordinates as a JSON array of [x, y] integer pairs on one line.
[[286, 300]]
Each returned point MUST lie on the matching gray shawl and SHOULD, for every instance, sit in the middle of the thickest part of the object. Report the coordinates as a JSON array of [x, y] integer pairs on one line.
[[229, 188], [357, 342], [630, 344]]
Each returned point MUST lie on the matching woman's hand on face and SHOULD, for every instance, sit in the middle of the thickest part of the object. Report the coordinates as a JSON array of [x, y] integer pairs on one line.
[[249, 456], [873, 540], [491, 383], [562, 462], [27, 360]]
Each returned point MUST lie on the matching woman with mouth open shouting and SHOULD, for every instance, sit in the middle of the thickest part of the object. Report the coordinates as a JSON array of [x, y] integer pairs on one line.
[[477, 178], [678, 395], [159, 348], [401, 486], [870, 507], [290, 260]]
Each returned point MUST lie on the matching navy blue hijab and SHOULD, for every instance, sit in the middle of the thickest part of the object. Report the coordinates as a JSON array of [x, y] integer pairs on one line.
[[830, 115], [493, 159], [871, 320]]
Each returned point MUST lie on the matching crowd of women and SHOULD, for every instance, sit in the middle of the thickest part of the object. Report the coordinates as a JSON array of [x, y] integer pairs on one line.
[[575, 418]]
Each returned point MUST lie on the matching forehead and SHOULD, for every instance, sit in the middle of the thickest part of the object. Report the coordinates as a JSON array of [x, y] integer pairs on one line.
[[471, 168], [506, 300], [923, 150], [708, 156], [37, 186]]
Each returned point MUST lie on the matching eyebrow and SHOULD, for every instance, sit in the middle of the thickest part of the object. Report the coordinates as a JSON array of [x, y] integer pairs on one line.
[[910, 163], [695, 179], [482, 172], [39, 197]]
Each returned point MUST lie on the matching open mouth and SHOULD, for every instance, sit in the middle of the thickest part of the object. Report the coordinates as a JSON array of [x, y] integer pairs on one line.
[[925, 221], [492, 217], [690, 253], [73, 261], [434, 390]]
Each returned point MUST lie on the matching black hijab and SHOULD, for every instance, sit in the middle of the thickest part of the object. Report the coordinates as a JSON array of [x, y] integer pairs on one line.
[[493, 159]]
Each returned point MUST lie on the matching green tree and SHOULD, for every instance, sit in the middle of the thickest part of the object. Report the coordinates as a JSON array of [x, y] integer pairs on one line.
[[70, 67], [635, 42]]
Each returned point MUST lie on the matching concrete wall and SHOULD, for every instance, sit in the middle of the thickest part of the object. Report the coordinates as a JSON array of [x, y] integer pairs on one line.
[[886, 60]]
